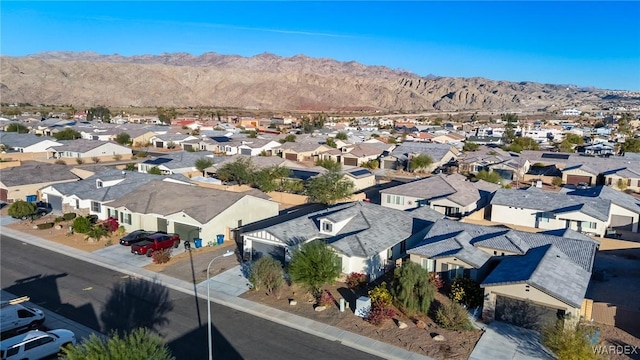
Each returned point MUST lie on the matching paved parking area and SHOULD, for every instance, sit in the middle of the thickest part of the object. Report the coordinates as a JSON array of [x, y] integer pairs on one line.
[[6, 220], [502, 341], [122, 254], [232, 282]]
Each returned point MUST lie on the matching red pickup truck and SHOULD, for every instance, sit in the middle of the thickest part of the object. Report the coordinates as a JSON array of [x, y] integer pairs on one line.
[[155, 242]]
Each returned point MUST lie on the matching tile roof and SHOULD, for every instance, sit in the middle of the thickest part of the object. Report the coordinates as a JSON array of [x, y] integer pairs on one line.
[[202, 204], [370, 229], [547, 269], [436, 151], [581, 250], [35, 173], [536, 199], [12, 139], [178, 160], [454, 187]]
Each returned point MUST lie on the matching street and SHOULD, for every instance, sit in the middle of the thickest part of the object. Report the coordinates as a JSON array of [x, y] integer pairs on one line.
[[107, 301]]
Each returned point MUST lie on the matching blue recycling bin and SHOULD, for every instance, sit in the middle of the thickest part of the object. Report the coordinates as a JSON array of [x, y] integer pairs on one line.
[[220, 238], [197, 242]]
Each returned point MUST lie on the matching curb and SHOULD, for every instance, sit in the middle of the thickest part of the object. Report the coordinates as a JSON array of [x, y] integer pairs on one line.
[[330, 333]]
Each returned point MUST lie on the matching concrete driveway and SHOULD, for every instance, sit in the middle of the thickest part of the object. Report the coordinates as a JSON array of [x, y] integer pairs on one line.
[[122, 254], [502, 341]]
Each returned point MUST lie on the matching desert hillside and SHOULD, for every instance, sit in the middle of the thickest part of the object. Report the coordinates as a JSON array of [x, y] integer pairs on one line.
[[266, 81]]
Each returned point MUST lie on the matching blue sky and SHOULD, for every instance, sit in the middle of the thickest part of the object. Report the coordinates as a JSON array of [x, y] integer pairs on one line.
[[581, 43]]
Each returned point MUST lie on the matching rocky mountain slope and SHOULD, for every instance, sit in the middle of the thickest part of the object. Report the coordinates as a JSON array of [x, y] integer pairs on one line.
[[264, 81]]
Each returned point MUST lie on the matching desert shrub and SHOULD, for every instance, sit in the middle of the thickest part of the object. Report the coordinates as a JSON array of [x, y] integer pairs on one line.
[[117, 157], [60, 162], [97, 232], [110, 224], [69, 216], [43, 226], [21, 208], [314, 265], [142, 154], [569, 342], [325, 298], [380, 295], [95, 159], [121, 230], [436, 280], [556, 181], [379, 314], [59, 219], [356, 280], [81, 225], [266, 272], [453, 316], [161, 256], [467, 292], [79, 161]]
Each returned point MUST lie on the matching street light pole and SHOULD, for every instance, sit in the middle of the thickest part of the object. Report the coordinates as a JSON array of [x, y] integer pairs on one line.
[[228, 253]]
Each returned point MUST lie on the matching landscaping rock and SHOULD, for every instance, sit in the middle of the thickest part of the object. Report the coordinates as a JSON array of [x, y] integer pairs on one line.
[[293, 302], [320, 308], [438, 337], [402, 325]]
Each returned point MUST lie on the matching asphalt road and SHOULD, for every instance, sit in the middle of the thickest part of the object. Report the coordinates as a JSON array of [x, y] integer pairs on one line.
[[106, 301]]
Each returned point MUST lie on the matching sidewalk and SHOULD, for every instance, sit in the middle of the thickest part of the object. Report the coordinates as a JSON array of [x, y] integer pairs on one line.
[[224, 290]]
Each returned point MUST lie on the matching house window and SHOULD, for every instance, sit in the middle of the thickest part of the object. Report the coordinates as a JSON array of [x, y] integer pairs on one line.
[[327, 226], [395, 199], [98, 184], [429, 264], [96, 206], [127, 219], [455, 271], [115, 214], [545, 217], [108, 213], [77, 204], [451, 211], [589, 225], [628, 182], [609, 180]]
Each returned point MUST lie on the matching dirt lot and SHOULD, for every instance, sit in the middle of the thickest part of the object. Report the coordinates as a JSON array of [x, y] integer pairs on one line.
[[457, 345]]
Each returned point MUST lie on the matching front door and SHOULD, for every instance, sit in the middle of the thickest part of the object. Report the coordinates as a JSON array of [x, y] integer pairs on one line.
[[162, 224]]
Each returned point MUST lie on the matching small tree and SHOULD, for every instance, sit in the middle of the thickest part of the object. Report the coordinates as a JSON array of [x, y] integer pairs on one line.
[[139, 344], [329, 164], [82, 225], [203, 163], [331, 142], [240, 171], [267, 273], [342, 136], [314, 265], [290, 138], [371, 164], [556, 181], [17, 127], [123, 139], [622, 184], [154, 171], [21, 209], [420, 162], [95, 159], [67, 134], [329, 188], [489, 176], [131, 167], [467, 292], [412, 289], [569, 342], [470, 146], [171, 145]]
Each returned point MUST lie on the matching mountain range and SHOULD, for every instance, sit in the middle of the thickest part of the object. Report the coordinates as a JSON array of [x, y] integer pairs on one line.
[[271, 82]]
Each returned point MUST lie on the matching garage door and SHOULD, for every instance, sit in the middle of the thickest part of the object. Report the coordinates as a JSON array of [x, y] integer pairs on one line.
[[262, 249], [162, 225], [351, 161], [245, 151], [185, 231], [188, 147], [159, 144], [525, 313], [290, 156], [389, 164], [575, 179], [56, 202], [620, 222]]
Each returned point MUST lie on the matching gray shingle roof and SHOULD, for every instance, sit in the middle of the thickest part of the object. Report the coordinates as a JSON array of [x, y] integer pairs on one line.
[[370, 228], [36, 173], [580, 250], [546, 268], [79, 145], [454, 187], [606, 193], [202, 204], [536, 199], [436, 151], [178, 160], [12, 139]]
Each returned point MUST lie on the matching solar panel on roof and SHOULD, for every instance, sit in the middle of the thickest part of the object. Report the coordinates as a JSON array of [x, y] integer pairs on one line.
[[555, 156], [359, 172]]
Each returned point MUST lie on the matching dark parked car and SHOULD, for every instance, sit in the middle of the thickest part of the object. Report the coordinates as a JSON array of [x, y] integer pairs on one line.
[[134, 237]]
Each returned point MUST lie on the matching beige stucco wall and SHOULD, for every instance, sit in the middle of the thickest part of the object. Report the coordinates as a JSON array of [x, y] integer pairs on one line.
[[577, 172], [518, 291], [362, 183], [20, 192], [516, 216], [635, 183]]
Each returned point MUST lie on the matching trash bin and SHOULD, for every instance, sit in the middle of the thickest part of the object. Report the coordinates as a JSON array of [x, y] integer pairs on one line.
[[220, 238], [197, 242]]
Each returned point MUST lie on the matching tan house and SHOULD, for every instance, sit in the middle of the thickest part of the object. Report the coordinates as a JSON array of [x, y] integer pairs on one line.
[[543, 275], [303, 151], [24, 182]]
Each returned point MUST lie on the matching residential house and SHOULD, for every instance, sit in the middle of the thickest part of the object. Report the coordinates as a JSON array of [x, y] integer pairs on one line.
[[577, 211], [48, 127], [23, 182], [88, 196], [546, 273], [451, 195], [86, 149], [358, 154], [491, 160], [256, 147], [486, 140], [368, 237], [400, 157], [302, 151], [180, 162], [26, 143], [201, 212], [452, 138], [361, 178], [167, 141]]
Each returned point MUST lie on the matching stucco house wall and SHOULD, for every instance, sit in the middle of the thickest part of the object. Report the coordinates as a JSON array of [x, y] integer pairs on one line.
[[522, 292]]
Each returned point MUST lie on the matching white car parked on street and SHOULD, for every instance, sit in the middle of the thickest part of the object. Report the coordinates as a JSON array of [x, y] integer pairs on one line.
[[36, 344]]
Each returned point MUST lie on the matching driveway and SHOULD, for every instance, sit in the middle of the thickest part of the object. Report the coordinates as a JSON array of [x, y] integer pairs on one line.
[[6, 220], [502, 341], [122, 254]]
